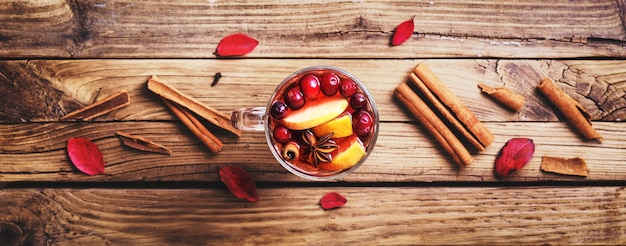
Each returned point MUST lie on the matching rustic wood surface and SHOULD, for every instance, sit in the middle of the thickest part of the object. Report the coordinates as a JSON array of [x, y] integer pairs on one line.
[[376, 215], [297, 29], [59, 55]]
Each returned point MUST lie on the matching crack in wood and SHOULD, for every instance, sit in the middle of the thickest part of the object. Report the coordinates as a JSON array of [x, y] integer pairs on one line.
[[598, 92]]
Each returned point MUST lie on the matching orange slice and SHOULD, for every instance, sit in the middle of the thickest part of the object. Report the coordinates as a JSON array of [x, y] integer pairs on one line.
[[351, 150], [340, 127]]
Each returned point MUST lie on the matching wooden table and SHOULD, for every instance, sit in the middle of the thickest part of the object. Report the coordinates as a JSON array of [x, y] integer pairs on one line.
[[59, 56]]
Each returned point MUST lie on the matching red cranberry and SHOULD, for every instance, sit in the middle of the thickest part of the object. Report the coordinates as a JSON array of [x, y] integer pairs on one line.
[[310, 86], [279, 110], [294, 98], [362, 123], [282, 134], [358, 101], [347, 88], [330, 84]]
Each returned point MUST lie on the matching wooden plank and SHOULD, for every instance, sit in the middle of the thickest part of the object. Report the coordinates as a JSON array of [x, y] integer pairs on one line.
[[337, 29], [45, 90], [404, 153], [373, 215]]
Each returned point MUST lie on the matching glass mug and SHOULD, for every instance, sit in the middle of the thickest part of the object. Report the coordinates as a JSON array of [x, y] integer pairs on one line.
[[321, 123]]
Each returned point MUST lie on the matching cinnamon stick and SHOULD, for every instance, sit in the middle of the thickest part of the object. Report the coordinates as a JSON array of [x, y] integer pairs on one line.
[[574, 166], [571, 109], [196, 127], [212, 115], [101, 107], [438, 129], [429, 96], [505, 96], [142, 143], [454, 104]]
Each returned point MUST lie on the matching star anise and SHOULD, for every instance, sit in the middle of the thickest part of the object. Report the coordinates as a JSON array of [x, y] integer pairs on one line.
[[319, 148]]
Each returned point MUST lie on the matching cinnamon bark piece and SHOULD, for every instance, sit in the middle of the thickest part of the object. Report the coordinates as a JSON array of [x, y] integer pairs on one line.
[[212, 115], [438, 129], [454, 104], [574, 166], [101, 107], [142, 143], [439, 107], [570, 108], [505, 96], [196, 127]]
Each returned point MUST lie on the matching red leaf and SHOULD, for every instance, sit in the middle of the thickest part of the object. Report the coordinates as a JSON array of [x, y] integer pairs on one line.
[[236, 45], [85, 156], [514, 155], [239, 182], [403, 32], [332, 200]]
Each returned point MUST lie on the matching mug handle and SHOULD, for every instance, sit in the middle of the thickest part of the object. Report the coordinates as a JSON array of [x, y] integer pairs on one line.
[[249, 119]]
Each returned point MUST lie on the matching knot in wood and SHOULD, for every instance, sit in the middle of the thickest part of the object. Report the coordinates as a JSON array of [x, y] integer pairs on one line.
[[10, 233]]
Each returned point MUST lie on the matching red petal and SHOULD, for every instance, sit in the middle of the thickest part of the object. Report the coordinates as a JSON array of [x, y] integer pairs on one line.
[[85, 156], [236, 45], [514, 155], [239, 182], [403, 32], [332, 200]]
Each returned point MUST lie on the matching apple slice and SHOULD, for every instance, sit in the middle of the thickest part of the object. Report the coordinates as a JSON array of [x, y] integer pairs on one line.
[[315, 113], [351, 150], [340, 127]]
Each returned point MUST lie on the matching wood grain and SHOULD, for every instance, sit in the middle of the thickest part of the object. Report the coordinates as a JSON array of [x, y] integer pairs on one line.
[[404, 152], [338, 29], [65, 85], [373, 216], [59, 55]]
